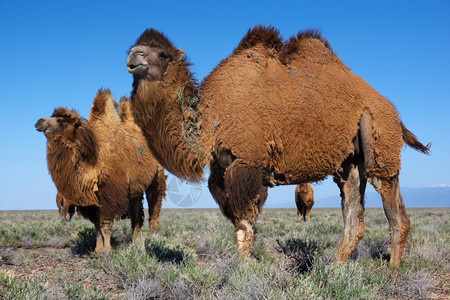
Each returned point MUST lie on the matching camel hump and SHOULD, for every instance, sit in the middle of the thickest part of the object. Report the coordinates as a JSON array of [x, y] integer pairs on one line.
[[103, 103], [125, 109], [411, 140], [269, 36], [292, 45], [313, 33]]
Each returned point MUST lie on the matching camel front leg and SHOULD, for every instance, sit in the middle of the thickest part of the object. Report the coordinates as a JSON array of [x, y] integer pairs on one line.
[[155, 194], [299, 204], [136, 213], [352, 184], [304, 212], [244, 224], [240, 195], [308, 214], [103, 236]]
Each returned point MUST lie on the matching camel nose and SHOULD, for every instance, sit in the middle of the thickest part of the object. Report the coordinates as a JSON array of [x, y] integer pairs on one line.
[[40, 125], [136, 63]]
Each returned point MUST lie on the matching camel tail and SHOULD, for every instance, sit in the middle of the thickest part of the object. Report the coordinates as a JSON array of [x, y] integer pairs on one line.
[[412, 141]]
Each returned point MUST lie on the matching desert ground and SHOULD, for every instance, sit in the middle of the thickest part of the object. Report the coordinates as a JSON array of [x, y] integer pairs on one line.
[[192, 255]]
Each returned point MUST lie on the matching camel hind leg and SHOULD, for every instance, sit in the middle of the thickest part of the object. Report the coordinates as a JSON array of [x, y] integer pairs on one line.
[[352, 183], [395, 211], [240, 194], [388, 185], [155, 194]]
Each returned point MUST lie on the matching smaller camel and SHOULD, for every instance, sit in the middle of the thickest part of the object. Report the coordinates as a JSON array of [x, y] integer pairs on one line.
[[102, 166], [304, 199]]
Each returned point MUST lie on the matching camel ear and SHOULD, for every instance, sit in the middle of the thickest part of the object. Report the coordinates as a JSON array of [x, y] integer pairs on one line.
[[179, 53]]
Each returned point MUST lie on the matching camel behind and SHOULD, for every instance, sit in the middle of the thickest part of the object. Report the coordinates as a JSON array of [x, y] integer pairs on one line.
[[304, 200]]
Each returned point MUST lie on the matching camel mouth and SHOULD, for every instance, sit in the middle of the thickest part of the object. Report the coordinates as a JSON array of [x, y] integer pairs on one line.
[[40, 125], [137, 69]]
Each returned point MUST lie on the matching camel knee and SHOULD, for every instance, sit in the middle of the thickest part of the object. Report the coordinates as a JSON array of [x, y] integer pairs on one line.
[[376, 182]]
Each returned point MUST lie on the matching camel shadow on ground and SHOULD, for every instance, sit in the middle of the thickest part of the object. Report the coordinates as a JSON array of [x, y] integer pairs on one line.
[[87, 239], [372, 248], [300, 253], [163, 253]]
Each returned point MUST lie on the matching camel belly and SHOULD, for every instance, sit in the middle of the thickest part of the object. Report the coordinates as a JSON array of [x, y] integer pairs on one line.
[[308, 158]]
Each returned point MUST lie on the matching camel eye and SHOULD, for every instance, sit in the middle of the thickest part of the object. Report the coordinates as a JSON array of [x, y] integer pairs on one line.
[[164, 55]]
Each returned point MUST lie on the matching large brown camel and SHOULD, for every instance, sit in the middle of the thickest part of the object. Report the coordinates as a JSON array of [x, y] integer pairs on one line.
[[304, 199], [272, 113], [103, 165]]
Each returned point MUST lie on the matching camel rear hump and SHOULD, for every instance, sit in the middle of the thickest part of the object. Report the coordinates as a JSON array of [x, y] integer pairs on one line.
[[124, 111]]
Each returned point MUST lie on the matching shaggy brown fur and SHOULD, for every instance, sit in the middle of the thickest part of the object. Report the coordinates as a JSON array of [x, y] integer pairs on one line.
[[99, 163], [279, 112], [267, 36], [304, 199]]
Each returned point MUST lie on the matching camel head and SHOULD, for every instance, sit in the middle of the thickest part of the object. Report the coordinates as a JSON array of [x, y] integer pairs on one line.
[[67, 125], [62, 122], [150, 57], [303, 187]]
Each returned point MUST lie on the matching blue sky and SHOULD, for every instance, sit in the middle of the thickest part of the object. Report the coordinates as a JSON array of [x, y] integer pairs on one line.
[[59, 53]]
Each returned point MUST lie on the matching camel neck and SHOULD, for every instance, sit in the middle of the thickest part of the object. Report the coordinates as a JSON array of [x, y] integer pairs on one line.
[[169, 118], [60, 155]]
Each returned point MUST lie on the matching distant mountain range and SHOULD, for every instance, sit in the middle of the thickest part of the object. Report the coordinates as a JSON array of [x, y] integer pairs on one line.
[[413, 197]]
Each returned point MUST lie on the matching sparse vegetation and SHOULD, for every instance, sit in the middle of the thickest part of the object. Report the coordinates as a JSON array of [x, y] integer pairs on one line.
[[192, 256], [189, 109]]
